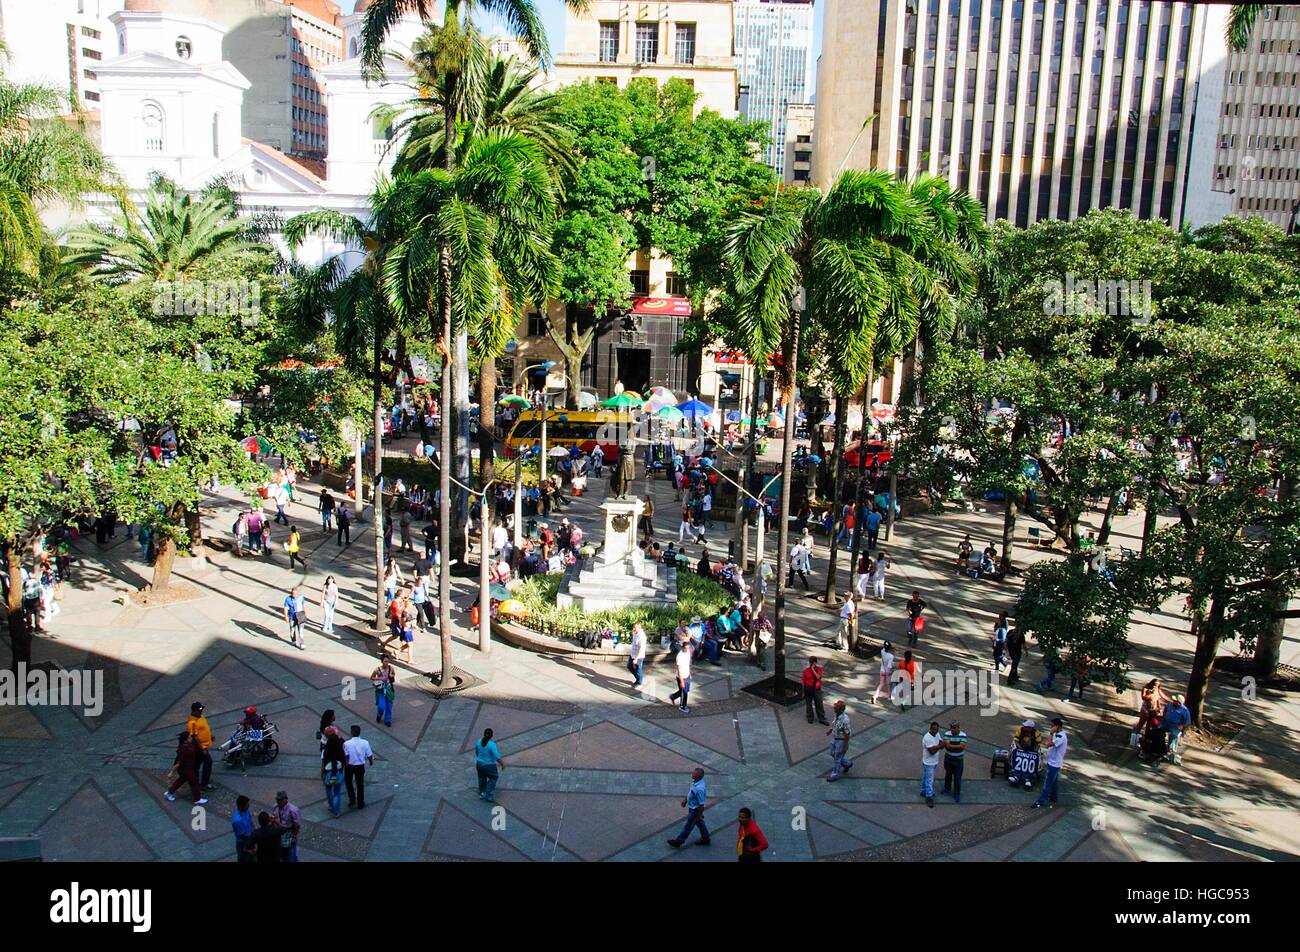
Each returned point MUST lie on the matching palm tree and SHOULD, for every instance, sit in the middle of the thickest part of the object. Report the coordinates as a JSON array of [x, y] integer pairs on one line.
[[168, 240], [45, 157], [447, 56], [1241, 23], [477, 247], [855, 256], [499, 94], [360, 318]]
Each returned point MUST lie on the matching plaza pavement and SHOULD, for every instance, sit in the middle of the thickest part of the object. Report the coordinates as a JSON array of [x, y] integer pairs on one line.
[[595, 771]]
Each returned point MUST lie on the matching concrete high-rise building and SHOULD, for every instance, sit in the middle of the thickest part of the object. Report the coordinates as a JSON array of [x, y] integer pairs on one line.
[[616, 41], [799, 120], [774, 47], [59, 43], [1038, 108], [1246, 151]]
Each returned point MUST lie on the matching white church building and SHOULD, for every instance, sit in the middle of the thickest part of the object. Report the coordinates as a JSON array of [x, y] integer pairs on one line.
[[170, 103]]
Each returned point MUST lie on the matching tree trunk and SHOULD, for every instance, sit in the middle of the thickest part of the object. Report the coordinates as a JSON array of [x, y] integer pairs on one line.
[[20, 639], [837, 480], [162, 565], [1207, 632], [377, 478], [1008, 532], [862, 473], [1268, 647], [1107, 519], [487, 422], [1152, 515], [783, 529], [749, 482], [194, 528], [462, 455]]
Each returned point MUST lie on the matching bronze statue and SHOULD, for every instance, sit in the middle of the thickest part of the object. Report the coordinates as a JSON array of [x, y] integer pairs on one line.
[[620, 480]]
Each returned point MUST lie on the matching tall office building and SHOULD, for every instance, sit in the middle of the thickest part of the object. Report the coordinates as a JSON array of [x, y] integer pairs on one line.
[[796, 168], [59, 43], [1247, 148], [616, 40], [1039, 108], [774, 47]]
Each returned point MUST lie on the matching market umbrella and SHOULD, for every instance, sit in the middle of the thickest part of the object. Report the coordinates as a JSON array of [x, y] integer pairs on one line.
[[623, 401], [512, 607], [557, 451], [671, 414], [499, 592], [587, 400], [514, 400], [255, 444], [660, 397], [694, 408]]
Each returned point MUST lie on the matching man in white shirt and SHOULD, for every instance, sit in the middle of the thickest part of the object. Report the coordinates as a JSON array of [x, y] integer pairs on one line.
[[636, 657], [887, 663], [500, 539], [931, 745], [683, 676], [356, 754], [796, 566], [1055, 761], [848, 614]]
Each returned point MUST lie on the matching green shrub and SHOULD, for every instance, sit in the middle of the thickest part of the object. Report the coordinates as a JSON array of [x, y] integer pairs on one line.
[[695, 596]]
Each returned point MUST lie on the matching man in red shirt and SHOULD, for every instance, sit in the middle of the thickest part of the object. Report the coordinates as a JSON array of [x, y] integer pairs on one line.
[[750, 841], [812, 691]]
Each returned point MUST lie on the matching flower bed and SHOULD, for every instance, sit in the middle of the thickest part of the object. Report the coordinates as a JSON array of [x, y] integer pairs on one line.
[[695, 596]]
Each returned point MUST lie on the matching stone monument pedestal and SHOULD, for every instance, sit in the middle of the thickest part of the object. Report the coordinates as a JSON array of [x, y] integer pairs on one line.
[[620, 574]]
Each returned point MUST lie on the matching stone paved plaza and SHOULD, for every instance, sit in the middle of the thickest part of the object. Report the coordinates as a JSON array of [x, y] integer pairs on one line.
[[595, 771]]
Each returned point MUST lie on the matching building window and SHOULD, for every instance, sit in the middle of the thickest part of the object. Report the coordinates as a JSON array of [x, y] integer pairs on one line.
[[91, 96], [685, 48], [675, 285], [640, 282], [536, 324], [152, 122], [91, 54], [216, 135], [608, 41], [647, 42], [183, 47]]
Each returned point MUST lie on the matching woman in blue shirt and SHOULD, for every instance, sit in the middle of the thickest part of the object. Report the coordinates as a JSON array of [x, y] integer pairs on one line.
[[487, 760]]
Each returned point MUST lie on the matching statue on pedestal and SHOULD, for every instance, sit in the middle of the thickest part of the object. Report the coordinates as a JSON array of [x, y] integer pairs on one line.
[[620, 480]]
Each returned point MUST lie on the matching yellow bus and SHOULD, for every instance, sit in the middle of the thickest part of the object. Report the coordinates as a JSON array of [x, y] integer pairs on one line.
[[567, 428]]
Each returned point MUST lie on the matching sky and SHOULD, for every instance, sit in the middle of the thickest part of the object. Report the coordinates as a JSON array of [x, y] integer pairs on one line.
[[553, 18]]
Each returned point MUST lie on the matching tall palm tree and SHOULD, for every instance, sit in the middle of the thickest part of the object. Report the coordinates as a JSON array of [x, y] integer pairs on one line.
[[447, 55], [360, 319], [853, 255], [174, 234], [45, 157], [478, 245]]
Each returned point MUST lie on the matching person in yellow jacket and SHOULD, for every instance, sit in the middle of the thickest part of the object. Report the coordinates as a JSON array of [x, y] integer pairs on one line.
[[200, 730], [292, 546]]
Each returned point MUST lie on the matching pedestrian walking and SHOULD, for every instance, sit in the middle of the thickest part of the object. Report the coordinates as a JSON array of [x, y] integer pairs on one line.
[[237, 543], [750, 841], [199, 729], [383, 678], [242, 823], [329, 599], [1055, 761], [293, 545], [280, 496], [840, 733], [683, 691], [331, 775], [999, 642], [915, 605], [636, 655], [906, 681], [812, 690], [684, 529], [357, 756], [648, 516], [881, 566], [872, 524], [488, 764], [848, 617], [1015, 648], [185, 767], [345, 524], [931, 745], [795, 561], [289, 819], [295, 613], [887, 665], [954, 760], [694, 804], [422, 603], [326, 507]]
